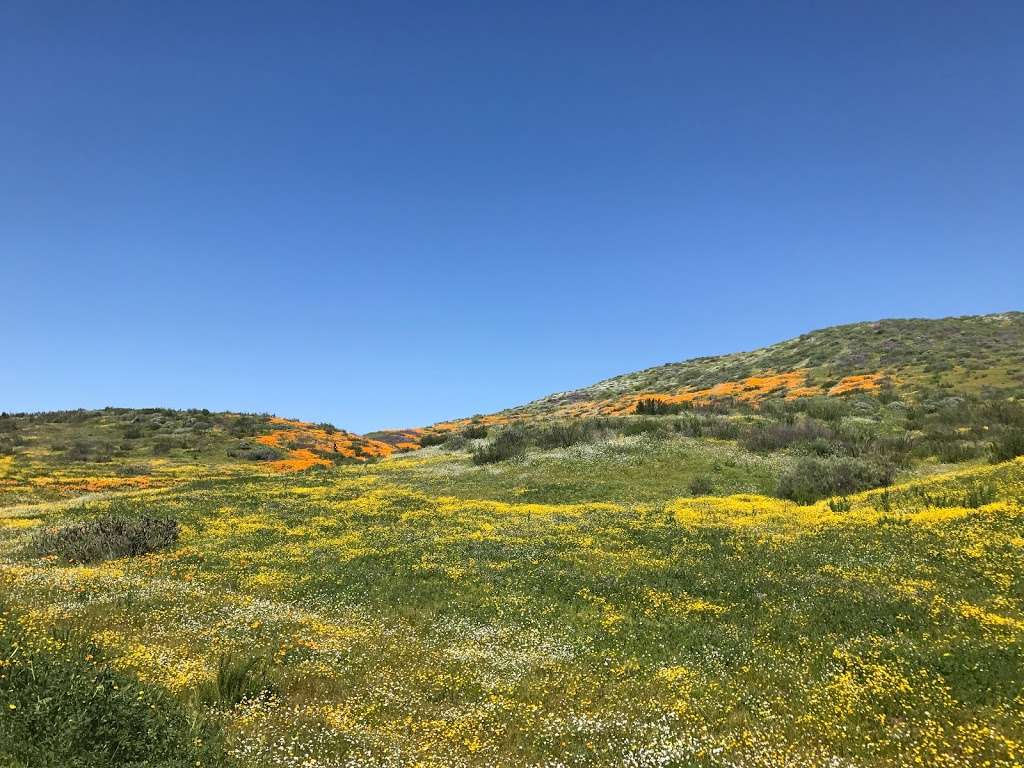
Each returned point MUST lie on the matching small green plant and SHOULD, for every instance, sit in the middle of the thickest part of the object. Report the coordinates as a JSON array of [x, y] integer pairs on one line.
[[817, 478], [105, 538], [455, 443], [238, 677], [433, 438], [980, 494], [840, 504], [88, 450]]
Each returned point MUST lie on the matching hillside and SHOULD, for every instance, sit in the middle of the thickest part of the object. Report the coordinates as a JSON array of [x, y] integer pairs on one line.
[[958, 354], [809, 555], [421, 610], [62, 454], [972, 355], [831, 412]]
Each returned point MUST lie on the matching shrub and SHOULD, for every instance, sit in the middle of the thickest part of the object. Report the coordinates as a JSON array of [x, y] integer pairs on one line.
[[824, 408], [254, 452], [840, 504], [1008, 446], [105, 538], [721, 428], [779, 435], [979, 494], [816, 478], [162, 446], [510, 443], [455, 443], [133, 470], [644, 427], [245, 426], [701, 486], [692, 426], [566, 435], [475, 431], [433, 438], [653, 406], [86, 450]]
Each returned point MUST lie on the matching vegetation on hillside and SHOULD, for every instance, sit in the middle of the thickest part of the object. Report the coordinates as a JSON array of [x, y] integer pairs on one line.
[[380, 614], [812, 555]]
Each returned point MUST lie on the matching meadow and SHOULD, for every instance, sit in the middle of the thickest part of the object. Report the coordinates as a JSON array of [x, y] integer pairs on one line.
[[425, 610], [806, 556]]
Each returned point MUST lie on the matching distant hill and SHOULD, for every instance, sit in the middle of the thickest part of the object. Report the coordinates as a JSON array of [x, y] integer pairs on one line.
[[971, 355], [150, 446]]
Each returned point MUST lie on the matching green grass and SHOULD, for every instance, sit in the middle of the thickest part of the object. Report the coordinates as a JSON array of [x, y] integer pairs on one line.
[[63, 706], [402, 608], [621, 592], [629, 469]]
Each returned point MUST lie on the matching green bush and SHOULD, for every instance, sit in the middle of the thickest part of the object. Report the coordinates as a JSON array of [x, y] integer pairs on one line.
[[701, 486], [567, 434], [162, 445], [433, 438], [510, 443], [106, 537], [653, 406], [817, 478], [64, 707], [475, 431], [775, 436], [644, 427], [1008, 446], [455, 443], [254, 452], [88, 450]]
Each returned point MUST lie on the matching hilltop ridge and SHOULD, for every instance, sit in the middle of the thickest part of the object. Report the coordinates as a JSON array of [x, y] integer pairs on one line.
[[967, 354]]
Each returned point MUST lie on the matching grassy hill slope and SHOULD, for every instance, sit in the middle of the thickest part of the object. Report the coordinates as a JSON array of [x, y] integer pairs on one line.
[[390, 614], [972, 355], [809, 555], [829, 413]]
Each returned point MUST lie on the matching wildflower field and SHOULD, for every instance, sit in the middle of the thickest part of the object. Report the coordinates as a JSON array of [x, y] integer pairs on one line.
[[806, 556], [420, 610]]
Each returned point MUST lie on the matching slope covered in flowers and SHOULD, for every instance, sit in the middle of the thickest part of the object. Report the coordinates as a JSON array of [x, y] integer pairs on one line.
[[960, 355], [308, 444], [401, 617]]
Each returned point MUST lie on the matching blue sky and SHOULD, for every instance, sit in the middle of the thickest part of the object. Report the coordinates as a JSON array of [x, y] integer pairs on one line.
[[387, 214]]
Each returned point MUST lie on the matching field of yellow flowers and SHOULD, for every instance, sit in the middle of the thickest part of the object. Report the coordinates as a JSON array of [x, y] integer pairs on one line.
[[396, 614]]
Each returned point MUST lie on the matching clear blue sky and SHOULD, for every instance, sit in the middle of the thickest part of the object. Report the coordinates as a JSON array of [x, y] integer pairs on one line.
[[386, 214]]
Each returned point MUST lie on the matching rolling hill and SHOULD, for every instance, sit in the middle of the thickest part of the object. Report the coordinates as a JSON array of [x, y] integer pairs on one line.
[[972, 355], [808, 555]]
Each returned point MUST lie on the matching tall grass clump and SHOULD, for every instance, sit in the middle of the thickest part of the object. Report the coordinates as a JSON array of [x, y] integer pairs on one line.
[[238, 677]]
